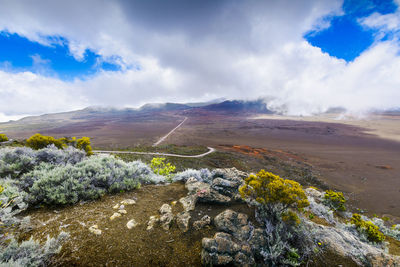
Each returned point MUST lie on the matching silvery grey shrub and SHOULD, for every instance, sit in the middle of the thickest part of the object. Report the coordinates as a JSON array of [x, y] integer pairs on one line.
[[88, 179], [16, 161], [202, 175], [30, 252]]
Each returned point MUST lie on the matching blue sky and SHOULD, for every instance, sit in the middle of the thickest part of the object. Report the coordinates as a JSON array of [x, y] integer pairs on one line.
[[346, 38], [17, 54], [302, 56]]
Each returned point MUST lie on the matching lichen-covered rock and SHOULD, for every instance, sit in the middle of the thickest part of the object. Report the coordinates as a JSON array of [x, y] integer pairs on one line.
[[153, 220], [128, 202], [204, 221], [226, 187], [204, 193], [115, 215], [165, 208], [346, 244], [188, 202], [312, 192], [166, 217], [131, 224], [223, 250], [95, 229], [182, 220], [234, 223]]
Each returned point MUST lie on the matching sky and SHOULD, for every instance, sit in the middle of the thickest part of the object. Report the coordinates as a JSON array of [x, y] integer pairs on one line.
[[302, 57]]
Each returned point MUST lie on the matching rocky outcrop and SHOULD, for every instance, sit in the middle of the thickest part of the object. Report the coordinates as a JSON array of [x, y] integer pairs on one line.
[[204, 221], [223, 250], [235, 245], [233, 223], [345, 244]]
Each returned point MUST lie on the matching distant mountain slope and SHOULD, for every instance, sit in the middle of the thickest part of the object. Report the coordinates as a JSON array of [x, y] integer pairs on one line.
[[234, 106], [99, 113]]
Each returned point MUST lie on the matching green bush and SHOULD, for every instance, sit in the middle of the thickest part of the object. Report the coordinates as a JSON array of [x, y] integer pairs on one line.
[[335, 200], [368, 228], [3, 138]]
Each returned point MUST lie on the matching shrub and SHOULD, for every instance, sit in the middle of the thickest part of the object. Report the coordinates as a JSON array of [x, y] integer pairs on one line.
[[3, 138], [38, 141], [30, 252], [84, 143], [273, 192], [159, 166], [368, 228], [12, 203], [14, 162], [203, 175], [335, 200], [291, 217], [393, 231], [86, 180]]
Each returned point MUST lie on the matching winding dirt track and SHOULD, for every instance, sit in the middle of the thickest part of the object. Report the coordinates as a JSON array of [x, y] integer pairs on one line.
[[210, 149]]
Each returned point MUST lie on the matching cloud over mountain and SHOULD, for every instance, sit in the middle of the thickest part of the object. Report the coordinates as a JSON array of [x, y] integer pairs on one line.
[[199, 50]]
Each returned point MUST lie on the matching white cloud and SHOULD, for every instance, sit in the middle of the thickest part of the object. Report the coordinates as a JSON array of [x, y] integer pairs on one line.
[[229, 49]]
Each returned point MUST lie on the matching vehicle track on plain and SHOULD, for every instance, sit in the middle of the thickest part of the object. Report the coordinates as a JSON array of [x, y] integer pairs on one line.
[[210, 149]]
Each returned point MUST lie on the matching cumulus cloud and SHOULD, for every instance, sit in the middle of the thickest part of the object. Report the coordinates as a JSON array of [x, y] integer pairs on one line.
[[197, 50]]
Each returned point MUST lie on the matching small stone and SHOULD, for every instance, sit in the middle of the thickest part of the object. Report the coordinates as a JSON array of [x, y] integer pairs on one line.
[[116, 206], [95, 229], [152, 221], [122, 212], [189, 202], [165, 208], [128, 202], [115, 215], [182, 220], [131, 224], [166, 220], [173, 203], [122, 207]]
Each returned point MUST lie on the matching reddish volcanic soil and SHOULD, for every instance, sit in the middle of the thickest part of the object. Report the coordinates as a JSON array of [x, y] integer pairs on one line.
[[365, 167]]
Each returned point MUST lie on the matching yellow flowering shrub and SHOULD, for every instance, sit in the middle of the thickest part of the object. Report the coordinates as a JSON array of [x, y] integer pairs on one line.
[[84, 143], [335, 200], [38, 141], [3, 138], [270, 190], [371, 230], [159, 166]]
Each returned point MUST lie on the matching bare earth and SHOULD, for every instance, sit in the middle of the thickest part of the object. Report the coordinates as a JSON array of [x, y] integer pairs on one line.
[[383, 126], [347, 157], [359, 157]]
